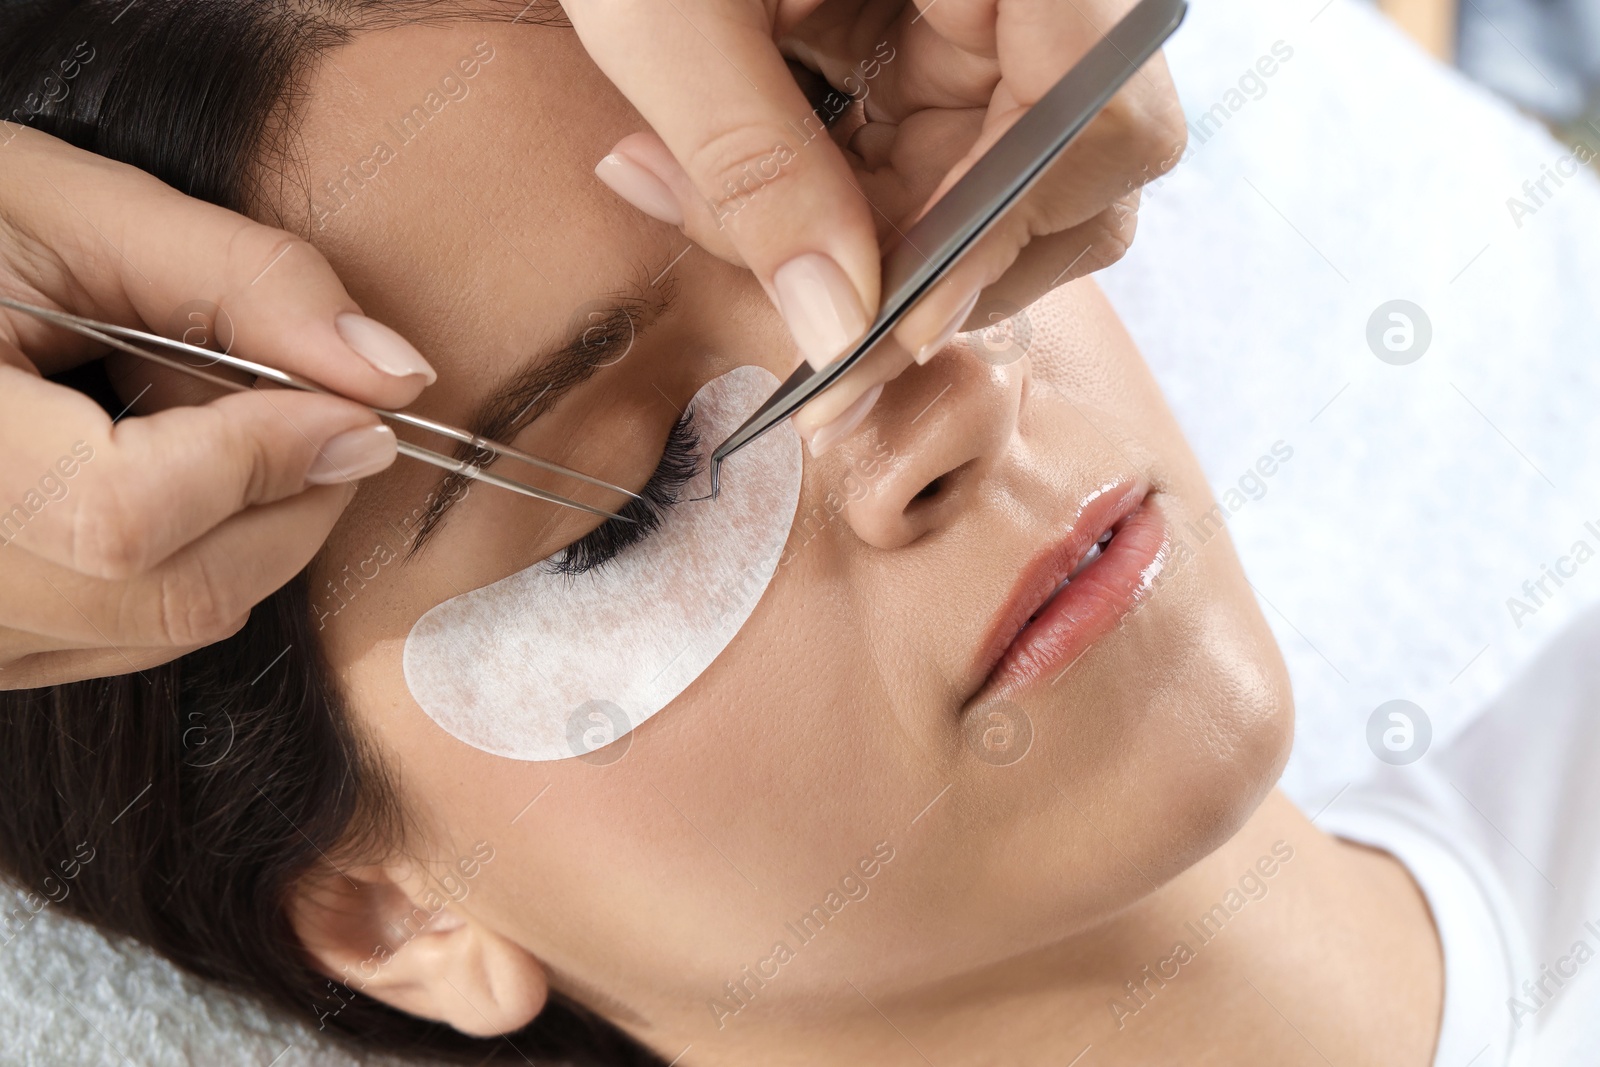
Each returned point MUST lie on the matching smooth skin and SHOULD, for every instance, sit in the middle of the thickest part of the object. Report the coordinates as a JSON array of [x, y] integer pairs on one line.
[[184, 520], [1008, 905]]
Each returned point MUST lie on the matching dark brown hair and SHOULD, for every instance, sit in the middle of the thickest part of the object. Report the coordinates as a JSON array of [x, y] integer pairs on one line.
[[182, 805]]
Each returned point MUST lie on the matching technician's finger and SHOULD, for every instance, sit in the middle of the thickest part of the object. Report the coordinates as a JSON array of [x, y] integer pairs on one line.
[[19, 645], [57, 668], [200, 595], [1131, 142], [115, 500], [12, 356], [115, 243], [1045, 263], [666, 192], [708, 78], [1058, 258], [835, 414]]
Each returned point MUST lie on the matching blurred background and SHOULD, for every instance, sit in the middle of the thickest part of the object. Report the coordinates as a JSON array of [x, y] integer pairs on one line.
[[1542, 55]]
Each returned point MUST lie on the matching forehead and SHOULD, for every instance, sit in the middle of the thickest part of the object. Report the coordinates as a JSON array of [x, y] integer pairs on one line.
[[449, 173], [446, 171]]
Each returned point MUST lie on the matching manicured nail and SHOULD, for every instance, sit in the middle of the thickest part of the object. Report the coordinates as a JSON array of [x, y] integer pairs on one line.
[[352, 455], [380, 346], [820, 305], [831, 433], [640, 188], [951, 328]]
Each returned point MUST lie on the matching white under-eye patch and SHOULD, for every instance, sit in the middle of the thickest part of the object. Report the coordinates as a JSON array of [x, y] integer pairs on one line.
[[545, 666]]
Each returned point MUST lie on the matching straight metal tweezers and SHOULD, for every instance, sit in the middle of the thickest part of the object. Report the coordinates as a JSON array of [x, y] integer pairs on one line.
[[125, 339]]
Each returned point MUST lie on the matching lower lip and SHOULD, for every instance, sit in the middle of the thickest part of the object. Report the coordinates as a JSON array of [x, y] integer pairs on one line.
[[1091, 605]]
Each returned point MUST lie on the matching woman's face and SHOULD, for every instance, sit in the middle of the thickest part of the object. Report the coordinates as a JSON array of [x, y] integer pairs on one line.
[[854, 724]]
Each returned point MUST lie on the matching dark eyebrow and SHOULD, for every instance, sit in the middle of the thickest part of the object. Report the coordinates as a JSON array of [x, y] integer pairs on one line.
[[602, 332]]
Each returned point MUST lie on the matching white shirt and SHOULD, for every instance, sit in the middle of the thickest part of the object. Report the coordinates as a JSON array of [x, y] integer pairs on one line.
[[1501, 830]]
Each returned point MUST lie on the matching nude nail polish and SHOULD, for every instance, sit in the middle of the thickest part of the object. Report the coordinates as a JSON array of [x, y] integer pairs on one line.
[[380, 346], [820, 305], [844, 424], [352, 455], [951, 328], [640, 188]]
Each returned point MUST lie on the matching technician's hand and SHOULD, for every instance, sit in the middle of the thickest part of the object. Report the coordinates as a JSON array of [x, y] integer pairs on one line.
[[740, 165], [124, 544]]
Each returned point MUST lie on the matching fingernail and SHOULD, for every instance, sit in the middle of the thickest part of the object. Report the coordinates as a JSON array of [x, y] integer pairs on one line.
[[820, 305], [352, 455], [640, 188], [380, 346], [951, 328], [831, 433]]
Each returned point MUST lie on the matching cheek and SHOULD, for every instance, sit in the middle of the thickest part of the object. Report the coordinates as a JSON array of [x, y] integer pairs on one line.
[[1077, 344], [545, 666]]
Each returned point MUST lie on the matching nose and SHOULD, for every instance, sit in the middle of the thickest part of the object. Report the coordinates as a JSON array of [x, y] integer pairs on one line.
[[938, 431]]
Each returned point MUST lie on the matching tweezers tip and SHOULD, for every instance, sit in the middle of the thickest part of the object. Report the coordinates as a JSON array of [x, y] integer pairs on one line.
[[716, 479], [716, 486]]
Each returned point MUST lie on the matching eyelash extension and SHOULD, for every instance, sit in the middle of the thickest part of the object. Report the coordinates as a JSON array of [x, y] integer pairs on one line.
[[680, 462]]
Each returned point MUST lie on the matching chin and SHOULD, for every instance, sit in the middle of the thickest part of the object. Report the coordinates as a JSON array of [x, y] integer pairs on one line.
[[1218, 747], [1165, 745], [1183, 728]]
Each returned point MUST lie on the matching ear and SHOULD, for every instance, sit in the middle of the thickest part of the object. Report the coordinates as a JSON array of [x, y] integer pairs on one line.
[[394, 933]]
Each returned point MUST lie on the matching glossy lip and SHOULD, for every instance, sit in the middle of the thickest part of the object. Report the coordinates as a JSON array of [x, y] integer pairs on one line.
[[1017, 651]]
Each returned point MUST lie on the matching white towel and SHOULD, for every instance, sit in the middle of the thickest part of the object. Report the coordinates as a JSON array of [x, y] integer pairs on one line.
[[71, 998]]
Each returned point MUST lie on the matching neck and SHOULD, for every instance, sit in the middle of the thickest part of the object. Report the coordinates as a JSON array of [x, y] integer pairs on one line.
[[1262, 952]]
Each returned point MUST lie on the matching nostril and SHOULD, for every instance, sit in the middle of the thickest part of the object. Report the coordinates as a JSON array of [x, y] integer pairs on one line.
[[944, 485]]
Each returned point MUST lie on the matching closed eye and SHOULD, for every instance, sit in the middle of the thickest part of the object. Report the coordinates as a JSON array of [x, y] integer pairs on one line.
[[680, 462]]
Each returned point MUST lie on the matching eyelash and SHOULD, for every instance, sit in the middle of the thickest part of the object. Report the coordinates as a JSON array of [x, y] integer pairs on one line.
[[680, 462]]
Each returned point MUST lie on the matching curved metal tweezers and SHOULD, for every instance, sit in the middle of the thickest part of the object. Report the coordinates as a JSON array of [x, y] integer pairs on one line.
[[126, 339]]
